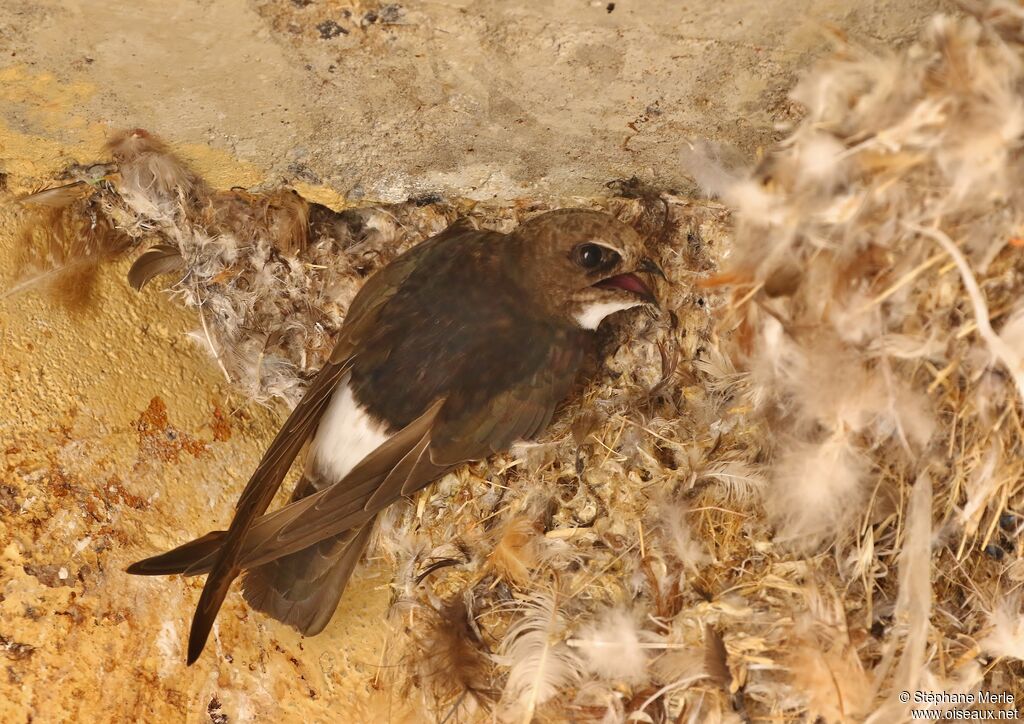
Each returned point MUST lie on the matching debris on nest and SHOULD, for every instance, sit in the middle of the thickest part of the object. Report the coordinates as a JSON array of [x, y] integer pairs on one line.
[[797, 492]]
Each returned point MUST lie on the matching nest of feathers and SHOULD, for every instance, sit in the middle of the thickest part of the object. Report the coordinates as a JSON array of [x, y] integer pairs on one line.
[[797, 491]]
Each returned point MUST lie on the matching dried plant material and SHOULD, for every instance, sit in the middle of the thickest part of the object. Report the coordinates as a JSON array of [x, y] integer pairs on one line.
[[913, 606], [870, 271], [1005, 353]]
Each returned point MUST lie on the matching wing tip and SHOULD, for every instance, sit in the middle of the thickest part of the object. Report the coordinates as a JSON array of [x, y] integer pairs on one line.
[[163, 564], [210, 601], [196, 644], [138, 568]]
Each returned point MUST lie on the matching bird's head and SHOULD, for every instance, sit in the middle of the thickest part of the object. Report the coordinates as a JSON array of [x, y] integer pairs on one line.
[[586, 264]]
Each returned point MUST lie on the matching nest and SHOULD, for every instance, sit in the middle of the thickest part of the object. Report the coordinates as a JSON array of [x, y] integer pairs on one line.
[[792, 493]]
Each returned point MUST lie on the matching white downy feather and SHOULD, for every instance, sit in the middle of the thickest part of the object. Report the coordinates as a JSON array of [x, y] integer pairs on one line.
[[540, 663], [612, 648]]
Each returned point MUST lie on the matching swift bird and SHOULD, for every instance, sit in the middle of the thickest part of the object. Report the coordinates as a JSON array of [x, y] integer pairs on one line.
[[455, 350]]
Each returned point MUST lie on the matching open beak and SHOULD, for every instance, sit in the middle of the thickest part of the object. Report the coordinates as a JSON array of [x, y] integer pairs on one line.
[[632, 283]]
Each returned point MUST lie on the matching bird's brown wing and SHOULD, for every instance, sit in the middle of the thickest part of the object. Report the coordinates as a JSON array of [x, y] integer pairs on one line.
[[218, 552], [223, 546], [471, 428], [285, 530], [256, 497], [303, 589], [451, 432]]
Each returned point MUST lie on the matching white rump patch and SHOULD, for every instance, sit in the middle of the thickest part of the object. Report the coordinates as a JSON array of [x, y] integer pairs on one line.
[[593, 314], [347, 434]]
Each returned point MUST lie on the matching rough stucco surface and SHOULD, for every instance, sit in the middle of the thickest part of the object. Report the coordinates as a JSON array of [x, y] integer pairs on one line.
[[478, 98], [119, 443], [119, 437]]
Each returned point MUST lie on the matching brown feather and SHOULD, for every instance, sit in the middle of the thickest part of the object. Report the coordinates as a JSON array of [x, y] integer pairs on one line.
[[716, 658], [398, 463], [148, 166], [515, 554], [180, 559], [303, 589], [59, 196], [451, 659], [157, 260], [62, 246], [310, 520], [280, 215]]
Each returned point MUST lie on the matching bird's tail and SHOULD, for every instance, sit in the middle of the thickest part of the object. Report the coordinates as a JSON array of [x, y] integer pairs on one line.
[[303, 588]]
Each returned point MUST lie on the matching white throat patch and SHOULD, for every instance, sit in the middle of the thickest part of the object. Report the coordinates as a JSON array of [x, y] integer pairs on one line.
[[593, 314], [346, 435]]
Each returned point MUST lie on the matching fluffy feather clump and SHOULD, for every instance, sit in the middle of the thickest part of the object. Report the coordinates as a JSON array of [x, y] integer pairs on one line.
[[1006, 635], [794, 493], [612, 647], [875, 286], [269, 272]]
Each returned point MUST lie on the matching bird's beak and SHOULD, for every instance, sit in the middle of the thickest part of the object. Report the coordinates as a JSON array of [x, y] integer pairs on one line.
[[630, 283]]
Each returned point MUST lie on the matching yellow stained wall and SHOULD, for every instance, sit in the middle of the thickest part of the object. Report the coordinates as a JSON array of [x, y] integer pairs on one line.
[[120, 438]]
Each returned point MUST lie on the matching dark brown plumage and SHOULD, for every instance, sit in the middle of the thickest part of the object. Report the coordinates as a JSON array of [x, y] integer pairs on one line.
[[455, 350]]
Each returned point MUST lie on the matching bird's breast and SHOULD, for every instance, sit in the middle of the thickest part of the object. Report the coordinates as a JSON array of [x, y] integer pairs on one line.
[[347, 434]]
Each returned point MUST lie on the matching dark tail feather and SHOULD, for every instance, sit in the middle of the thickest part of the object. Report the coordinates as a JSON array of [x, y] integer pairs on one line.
[[303, 589], [195, 557], [210, 601], [190, 559]]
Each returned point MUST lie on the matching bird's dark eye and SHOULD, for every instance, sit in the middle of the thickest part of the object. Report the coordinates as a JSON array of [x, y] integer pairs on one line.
[[593, 256]]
